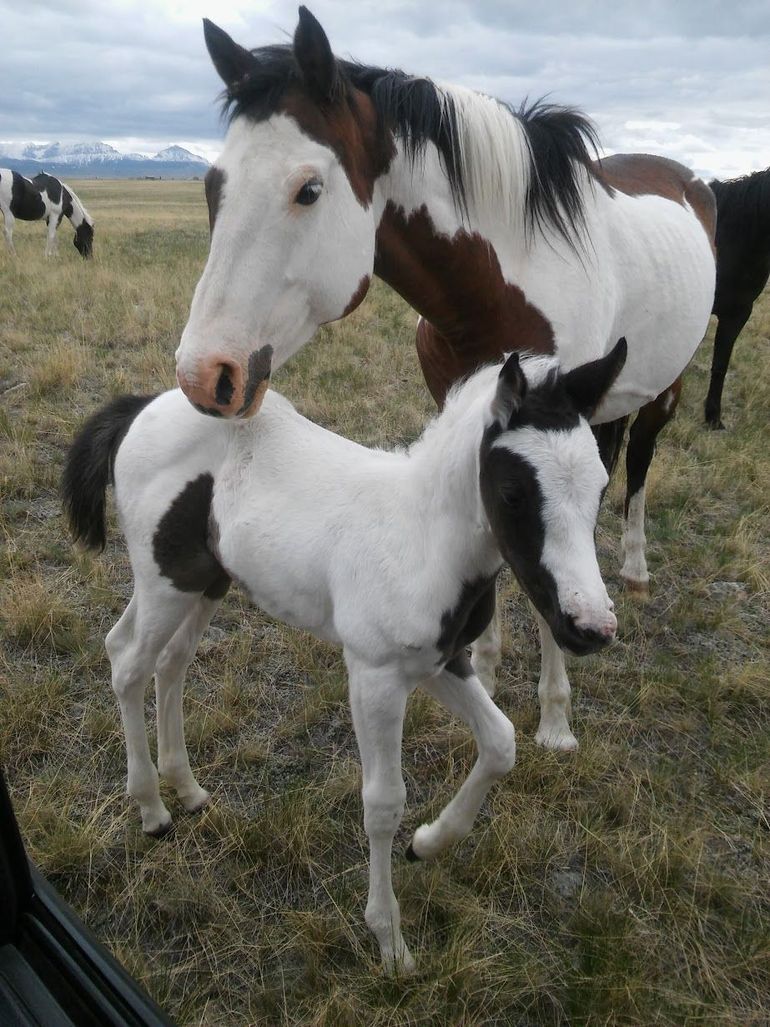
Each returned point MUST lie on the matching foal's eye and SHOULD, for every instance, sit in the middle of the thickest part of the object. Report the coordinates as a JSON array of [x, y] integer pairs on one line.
[[309, 192], [513, 498]]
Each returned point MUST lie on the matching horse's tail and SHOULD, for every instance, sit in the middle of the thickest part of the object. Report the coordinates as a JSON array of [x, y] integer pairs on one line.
[[89, 466]]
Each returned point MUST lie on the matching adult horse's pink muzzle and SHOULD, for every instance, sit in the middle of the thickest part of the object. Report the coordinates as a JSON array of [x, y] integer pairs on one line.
[[221, 387]]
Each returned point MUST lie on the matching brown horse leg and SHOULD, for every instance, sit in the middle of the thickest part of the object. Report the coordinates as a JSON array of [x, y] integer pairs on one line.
[[729, 328], [641, 446]]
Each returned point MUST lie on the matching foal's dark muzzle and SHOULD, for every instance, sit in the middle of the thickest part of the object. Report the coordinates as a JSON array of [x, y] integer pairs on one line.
[[582, 641]]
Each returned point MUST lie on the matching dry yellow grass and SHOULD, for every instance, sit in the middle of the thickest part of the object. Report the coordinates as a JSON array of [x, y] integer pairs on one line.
[[623, 884]]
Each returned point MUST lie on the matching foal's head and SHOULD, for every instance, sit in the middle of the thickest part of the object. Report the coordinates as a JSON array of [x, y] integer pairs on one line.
[[541, 483], [290, 210]]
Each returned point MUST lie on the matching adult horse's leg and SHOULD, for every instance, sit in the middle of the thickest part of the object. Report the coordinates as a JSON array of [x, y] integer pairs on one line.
[[609, 438], [486, 652], [729, 327], [461, 692], [641, 445], [50, 244], [133, 646], [378, 703], [170, 669], [8, 222]]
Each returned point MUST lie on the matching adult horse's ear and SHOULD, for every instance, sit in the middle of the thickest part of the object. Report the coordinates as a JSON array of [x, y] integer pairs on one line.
[[511, 390], [588, 384], [314, 57], [233, 62]]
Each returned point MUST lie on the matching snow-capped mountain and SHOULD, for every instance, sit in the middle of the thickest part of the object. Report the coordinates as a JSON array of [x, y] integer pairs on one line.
[[100, 160]]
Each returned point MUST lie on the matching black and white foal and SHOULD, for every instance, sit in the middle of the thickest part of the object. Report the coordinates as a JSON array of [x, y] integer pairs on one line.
[[392, 555], [44, 197]]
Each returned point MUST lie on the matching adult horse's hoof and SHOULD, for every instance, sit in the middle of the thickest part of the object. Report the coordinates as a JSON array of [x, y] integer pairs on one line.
[[717, 425], [639, 590], [411, 855]]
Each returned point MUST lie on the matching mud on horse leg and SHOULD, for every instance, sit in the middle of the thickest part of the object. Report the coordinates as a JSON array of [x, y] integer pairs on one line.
[[642, 438]]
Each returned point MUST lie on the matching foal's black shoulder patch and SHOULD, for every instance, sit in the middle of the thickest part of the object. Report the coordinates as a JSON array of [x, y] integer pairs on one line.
[[466, 620], [180, 543]]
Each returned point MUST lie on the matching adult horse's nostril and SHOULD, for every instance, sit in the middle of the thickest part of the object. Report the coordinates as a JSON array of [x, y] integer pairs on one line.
[[223, 392]]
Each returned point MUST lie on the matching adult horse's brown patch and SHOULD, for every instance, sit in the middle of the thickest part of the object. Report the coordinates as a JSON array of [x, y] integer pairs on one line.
[[350, 127], [358, 296], [471, 314], [640, 174]]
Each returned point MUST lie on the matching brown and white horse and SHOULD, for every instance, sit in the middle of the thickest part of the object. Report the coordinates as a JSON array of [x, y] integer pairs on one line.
[[495, 225]]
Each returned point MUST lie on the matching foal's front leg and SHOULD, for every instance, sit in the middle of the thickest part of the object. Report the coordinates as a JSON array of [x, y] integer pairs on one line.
[[553, 692], [170, 670], [378, 702], [463, 694]]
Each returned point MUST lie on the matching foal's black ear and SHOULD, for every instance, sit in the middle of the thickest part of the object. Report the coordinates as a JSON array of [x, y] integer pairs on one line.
[[232, 61], [511, 390], [314, 57], [588, 384]]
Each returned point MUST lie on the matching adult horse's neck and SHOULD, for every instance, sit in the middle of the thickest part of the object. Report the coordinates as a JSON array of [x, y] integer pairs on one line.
[[445, 261]]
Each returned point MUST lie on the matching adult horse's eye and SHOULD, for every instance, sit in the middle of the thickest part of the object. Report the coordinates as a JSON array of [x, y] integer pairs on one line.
[[309, 192]]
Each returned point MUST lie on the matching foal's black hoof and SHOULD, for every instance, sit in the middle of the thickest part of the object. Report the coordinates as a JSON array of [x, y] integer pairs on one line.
[[411, 855]]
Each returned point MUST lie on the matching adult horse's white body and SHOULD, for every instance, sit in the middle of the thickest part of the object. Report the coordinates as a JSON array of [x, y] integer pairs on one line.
[[495, 225], [44, 198], [392, 555]]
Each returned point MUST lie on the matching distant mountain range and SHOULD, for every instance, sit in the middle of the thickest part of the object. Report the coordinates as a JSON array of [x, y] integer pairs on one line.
[[99, 160]]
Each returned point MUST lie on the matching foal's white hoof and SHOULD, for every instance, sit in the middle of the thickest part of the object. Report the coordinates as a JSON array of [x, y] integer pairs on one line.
[[158, 828], [399, 965], [195, 802], [556, 741]]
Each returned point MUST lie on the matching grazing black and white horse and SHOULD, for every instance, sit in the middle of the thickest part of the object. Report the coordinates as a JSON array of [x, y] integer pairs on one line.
[[392, 555], [44, 197], [743, 268]]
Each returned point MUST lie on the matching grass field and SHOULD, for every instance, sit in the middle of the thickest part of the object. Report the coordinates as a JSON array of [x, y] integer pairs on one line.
[[624, 884]]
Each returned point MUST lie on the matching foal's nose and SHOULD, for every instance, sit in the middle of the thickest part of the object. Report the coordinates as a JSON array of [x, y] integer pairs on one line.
[[219, 386]]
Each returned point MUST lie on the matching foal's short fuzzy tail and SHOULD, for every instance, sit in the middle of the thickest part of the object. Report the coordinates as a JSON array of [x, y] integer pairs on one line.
[[88, 468]]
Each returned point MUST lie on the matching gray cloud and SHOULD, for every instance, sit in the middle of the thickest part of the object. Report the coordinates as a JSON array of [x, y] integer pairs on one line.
[[690, 80]]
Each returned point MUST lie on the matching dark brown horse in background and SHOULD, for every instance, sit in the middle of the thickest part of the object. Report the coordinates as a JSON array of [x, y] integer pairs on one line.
[[743, 268]]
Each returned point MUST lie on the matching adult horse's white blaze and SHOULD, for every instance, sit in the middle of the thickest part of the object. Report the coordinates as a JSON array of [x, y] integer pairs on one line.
[[279, 266], [393, 556]]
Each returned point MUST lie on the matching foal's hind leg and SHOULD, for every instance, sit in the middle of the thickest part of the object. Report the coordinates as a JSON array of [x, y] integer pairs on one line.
[[170, 670], [461, 692], [641, 446], [133, 646], [729, 327]]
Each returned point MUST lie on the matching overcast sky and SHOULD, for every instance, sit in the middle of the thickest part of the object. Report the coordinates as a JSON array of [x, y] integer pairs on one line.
[[686, 78]]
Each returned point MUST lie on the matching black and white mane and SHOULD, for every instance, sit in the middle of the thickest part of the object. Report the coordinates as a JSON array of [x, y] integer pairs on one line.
[[561, 143]]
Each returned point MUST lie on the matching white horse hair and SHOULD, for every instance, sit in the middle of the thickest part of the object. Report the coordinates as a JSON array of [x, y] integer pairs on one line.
[[392, 555]]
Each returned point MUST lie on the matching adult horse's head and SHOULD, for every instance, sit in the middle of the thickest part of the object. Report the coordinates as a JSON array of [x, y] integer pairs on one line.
[[296, 173]]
